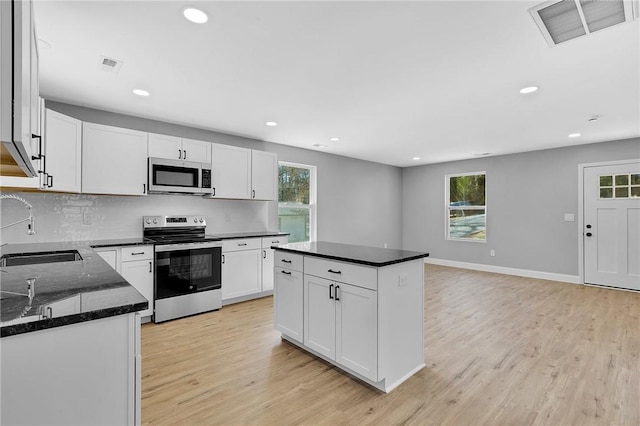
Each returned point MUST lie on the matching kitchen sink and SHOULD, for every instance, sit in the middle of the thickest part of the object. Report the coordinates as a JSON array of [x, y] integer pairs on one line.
[[17, 259]]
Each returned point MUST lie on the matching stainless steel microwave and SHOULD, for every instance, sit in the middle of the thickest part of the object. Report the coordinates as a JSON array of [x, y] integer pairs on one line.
[[171, 176]]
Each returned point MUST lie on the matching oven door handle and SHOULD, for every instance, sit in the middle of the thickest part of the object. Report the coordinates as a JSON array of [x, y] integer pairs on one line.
[[186, 246]]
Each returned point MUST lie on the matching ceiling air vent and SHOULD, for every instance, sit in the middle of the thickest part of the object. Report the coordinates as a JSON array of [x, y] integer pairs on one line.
[[109, 64], [564, 20]]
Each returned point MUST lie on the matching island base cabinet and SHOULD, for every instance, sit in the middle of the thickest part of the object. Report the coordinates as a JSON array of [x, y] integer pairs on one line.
[[86, 373], [288, 303]]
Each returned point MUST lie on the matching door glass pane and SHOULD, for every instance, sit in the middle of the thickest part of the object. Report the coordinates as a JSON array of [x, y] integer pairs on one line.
[[635, 179], [606, 192], [622, 180], [606, 180], [467, 224], [635, 191], [295, 221], [622, 192]]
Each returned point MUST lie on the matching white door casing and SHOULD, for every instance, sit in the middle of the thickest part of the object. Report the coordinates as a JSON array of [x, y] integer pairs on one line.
[[611, 227]]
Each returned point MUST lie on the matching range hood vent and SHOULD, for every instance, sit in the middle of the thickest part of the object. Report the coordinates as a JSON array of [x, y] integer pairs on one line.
[[564, 20]]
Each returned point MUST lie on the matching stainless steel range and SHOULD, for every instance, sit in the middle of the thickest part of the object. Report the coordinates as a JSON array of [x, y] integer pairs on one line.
[[188, 275]]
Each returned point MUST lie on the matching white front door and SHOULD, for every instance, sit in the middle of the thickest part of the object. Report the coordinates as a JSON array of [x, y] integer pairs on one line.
[[612, 225]]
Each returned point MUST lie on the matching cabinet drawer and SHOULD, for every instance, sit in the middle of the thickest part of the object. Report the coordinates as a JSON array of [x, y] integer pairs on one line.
[[137, 253], [267, 242], [283, 259], [361, 276], [241, 244]]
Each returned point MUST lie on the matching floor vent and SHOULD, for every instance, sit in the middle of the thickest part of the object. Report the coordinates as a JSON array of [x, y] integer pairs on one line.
[[109, 64], [564, 20]]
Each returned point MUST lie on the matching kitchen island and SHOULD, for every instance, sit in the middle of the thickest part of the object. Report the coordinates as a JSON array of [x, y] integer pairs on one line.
[[70, 347], [359, 308]]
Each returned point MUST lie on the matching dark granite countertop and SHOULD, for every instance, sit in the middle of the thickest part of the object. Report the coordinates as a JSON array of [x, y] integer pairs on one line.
[[257, 234], [63, 293], [121, 242], [363, 255]]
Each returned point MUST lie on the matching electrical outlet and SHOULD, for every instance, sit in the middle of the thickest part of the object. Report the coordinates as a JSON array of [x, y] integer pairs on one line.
[[492, 252], [569, 217], [403, 280]]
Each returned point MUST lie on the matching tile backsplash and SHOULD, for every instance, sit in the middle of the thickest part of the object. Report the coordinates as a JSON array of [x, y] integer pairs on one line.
[[77, 217]]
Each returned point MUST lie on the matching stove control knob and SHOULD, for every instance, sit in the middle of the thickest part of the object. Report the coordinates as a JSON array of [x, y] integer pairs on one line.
[[201, 220], [148, 221], [195, 220], [155, 221]]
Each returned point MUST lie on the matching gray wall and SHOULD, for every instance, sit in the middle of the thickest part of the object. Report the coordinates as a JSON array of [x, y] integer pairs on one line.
[[527, 197], [358, 201]]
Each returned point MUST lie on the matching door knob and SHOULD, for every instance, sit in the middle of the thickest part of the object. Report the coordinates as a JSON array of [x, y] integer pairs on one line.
[[588, 234]]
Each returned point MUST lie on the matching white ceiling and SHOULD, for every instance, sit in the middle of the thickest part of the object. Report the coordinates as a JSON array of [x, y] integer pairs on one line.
[[392, 80]]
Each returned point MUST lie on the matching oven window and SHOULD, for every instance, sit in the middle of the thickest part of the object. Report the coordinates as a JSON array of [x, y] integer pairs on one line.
[[187, 271], [175, 176]]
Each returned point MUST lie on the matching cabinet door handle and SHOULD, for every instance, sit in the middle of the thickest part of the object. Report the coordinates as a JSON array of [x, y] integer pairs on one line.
[[337, 288], [286, 261], [223, 258], [214, 191], [50, 181], [150, 267], [138, 253], [185, 154], [49, 312], [275, 242], [286, 273], [331, 292], [253, 193], [264, 254], [242, 244], [334, 272], [179, 154], [144, 188]]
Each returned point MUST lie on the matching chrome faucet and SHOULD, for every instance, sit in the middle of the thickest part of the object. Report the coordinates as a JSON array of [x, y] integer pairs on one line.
[[31, 226]]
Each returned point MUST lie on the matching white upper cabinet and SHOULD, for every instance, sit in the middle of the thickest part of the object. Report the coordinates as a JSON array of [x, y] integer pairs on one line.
[[264, 169], [243, 173], [114, 160], [63, 153], [231, 171], [174, 148]]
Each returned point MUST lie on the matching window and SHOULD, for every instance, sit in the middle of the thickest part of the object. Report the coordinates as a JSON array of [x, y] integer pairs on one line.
[[626, 185], [466, 215], [297, 201]]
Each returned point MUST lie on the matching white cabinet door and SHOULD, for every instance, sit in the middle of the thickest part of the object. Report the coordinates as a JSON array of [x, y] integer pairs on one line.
[[264, 172], [109, 256], [357, 329], [139, 273], [241, 273], [231, 171], [198, 151], [288, 303], [164, 146], [63, 148], [114, 160], [268, 259], [320, 316]]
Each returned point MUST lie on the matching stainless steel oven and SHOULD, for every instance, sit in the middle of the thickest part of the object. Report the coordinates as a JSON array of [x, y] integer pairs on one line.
[[188, 266]]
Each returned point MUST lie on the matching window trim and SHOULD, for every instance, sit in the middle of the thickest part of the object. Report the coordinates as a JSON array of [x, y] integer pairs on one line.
[[313, 197], [447, 208]]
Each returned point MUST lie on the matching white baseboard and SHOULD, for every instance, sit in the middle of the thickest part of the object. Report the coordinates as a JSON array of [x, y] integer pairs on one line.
[[572, 279]]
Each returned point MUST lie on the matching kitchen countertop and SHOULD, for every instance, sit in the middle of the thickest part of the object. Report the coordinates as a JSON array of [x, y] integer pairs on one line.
[[257, 234], [363, 255], [82, 290]]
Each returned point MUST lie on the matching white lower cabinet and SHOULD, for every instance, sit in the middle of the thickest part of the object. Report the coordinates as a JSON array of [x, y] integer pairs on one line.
[[267, 259], [241, 268], [135, 264], [288, 303], [340, 322], [84, 374]]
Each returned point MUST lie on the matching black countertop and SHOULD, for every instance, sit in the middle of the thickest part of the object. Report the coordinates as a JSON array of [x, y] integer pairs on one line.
[[67, 292], [257, 234], [363, 255]]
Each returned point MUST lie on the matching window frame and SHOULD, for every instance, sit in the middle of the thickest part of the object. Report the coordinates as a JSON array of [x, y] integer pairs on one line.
[[448, 208], [313, 200]]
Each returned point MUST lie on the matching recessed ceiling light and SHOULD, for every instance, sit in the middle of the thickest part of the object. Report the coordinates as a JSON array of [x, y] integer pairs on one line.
[[482, 154], [334, 139], [140, 92], [416, 158], [529, 89], [593, 118], [575, 135], [319, 145], [195, 15], [271, 123]]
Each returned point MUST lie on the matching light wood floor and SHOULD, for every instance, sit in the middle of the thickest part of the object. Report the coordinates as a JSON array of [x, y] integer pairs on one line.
[[499, 350]]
